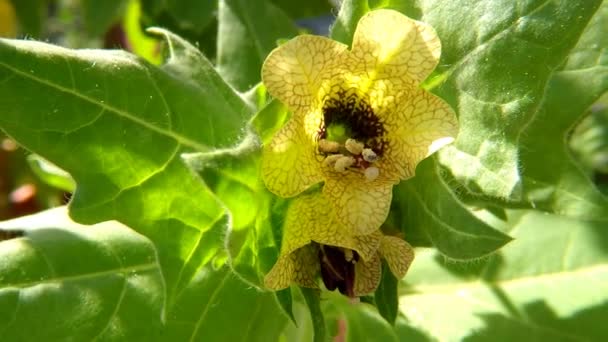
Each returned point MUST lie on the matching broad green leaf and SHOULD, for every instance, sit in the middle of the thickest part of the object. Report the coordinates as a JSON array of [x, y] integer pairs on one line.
[[429, 208], [118, 125], [218, 306], [550, 283], [100, 15], [553, 180], [64, 281], [247, 32], [494, 70]]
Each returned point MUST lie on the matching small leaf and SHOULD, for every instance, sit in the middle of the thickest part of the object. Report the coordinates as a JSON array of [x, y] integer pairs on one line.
[[350, 12], [386, 297]]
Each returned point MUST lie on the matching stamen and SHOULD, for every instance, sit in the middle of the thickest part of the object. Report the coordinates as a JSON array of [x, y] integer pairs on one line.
[[369, 155], [353, 146], [348, 255], [371, 173], [328, 146], [343, 163], [332, 159]]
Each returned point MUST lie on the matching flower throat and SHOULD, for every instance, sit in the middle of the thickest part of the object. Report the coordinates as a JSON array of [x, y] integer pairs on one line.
[[351, 135]]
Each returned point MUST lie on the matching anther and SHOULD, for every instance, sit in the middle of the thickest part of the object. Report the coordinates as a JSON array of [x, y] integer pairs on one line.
[[369, 155], [328, 146], [348, 255], [332, 159], [343, 163], [371, 173], [353, 146]]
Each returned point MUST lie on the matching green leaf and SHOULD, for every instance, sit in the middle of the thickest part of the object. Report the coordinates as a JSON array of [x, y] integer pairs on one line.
[[566, 189], [350, 12], [550, 283], [494, 70], [118, 125], [63, 281], [247, 32], [100, 15], [428, 205], [386, 297], [218, 306]]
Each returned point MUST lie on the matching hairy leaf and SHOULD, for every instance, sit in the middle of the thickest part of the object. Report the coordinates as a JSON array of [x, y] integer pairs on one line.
[[550, 283], [553, 180], [118, 125], [63, 281]]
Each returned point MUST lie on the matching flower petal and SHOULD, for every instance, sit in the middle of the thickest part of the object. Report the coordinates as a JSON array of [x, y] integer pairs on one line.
[[294, 71], [289, 164], [360, 206], [422, 124], [310, 218], [300, 267], [367, 275], [398, 254], [390, 45]]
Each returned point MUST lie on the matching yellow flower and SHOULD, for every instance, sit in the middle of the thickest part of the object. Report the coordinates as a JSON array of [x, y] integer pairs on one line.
[[314, 244], [360, 122]]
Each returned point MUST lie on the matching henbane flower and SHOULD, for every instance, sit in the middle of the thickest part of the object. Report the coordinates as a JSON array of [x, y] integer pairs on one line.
[[315, 244], [360, 122]]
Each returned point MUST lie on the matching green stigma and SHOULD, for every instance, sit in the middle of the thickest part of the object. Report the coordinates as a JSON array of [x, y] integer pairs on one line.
[[338, 132]]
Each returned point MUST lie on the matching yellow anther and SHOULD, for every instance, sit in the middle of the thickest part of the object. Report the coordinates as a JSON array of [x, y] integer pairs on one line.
[[348, 255], [371, 173], [332, 159], [353, 146], [344, 163], [328, 146], [369, 155]]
